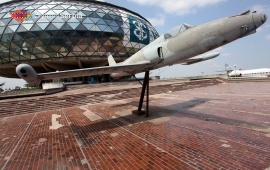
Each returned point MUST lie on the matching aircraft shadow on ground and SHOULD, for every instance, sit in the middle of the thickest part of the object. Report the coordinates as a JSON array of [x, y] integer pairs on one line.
[[162, 114]]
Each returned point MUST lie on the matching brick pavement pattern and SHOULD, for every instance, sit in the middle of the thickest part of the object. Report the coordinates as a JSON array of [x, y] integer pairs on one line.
[[205, 124]]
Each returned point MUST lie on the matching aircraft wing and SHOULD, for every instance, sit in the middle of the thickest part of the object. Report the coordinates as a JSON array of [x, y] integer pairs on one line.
[[125, 69]]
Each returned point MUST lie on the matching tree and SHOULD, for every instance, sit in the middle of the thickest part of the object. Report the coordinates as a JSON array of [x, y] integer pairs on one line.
[[2, 84], [30, 87], [27, 86], [17, 88]]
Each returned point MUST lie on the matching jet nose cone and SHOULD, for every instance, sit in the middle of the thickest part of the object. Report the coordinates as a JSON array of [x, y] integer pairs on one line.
[[264, 18], [259, 19]]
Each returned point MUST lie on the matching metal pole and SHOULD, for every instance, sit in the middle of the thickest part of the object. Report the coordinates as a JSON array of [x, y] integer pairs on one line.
[[146, 78], [234, 71], [147, 95]]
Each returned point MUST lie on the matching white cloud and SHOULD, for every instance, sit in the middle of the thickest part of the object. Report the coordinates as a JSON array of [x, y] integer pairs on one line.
[[179, 7], [158, 21], [267, 37]]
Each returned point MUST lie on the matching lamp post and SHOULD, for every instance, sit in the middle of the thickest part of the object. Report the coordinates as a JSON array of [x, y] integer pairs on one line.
[[234, 70]]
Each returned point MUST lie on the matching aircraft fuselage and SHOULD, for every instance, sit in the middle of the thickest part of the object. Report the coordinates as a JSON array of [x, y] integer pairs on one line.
[[172, 49]]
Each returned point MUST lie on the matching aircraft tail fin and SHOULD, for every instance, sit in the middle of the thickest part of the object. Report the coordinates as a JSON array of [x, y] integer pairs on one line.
[[228, 68], [111, 60]]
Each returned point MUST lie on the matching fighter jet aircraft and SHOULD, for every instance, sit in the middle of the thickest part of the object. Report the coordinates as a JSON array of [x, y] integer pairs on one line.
[[185, 44]]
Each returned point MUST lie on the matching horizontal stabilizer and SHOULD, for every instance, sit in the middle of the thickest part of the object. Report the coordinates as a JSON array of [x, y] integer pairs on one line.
[[111, 60]]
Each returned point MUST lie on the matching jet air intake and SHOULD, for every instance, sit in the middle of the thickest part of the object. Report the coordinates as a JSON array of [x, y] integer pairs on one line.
[[264, 18], [259, 19]]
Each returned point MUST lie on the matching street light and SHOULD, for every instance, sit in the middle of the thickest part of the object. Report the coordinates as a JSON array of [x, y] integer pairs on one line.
[[234, 70]]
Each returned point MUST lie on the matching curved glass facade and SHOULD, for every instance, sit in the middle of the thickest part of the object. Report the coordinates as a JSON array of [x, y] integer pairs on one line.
[[47, 32]]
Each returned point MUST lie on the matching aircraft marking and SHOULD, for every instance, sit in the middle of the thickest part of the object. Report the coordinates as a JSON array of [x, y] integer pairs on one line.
[[55, 123]]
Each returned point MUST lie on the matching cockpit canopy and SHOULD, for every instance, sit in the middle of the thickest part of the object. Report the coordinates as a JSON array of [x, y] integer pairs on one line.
[[177, 30]]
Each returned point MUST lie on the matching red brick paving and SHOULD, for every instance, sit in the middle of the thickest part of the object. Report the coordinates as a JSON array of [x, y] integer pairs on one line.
[[225, 126]]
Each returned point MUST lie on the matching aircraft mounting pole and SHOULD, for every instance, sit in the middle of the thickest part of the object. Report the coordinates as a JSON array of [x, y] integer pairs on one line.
[[145, 85], [147, 95]]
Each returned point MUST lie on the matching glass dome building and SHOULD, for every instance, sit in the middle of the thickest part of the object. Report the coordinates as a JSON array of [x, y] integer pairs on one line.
[[59, 35]]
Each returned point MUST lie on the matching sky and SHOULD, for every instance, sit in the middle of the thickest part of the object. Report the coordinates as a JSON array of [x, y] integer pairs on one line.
[[247, 53]]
